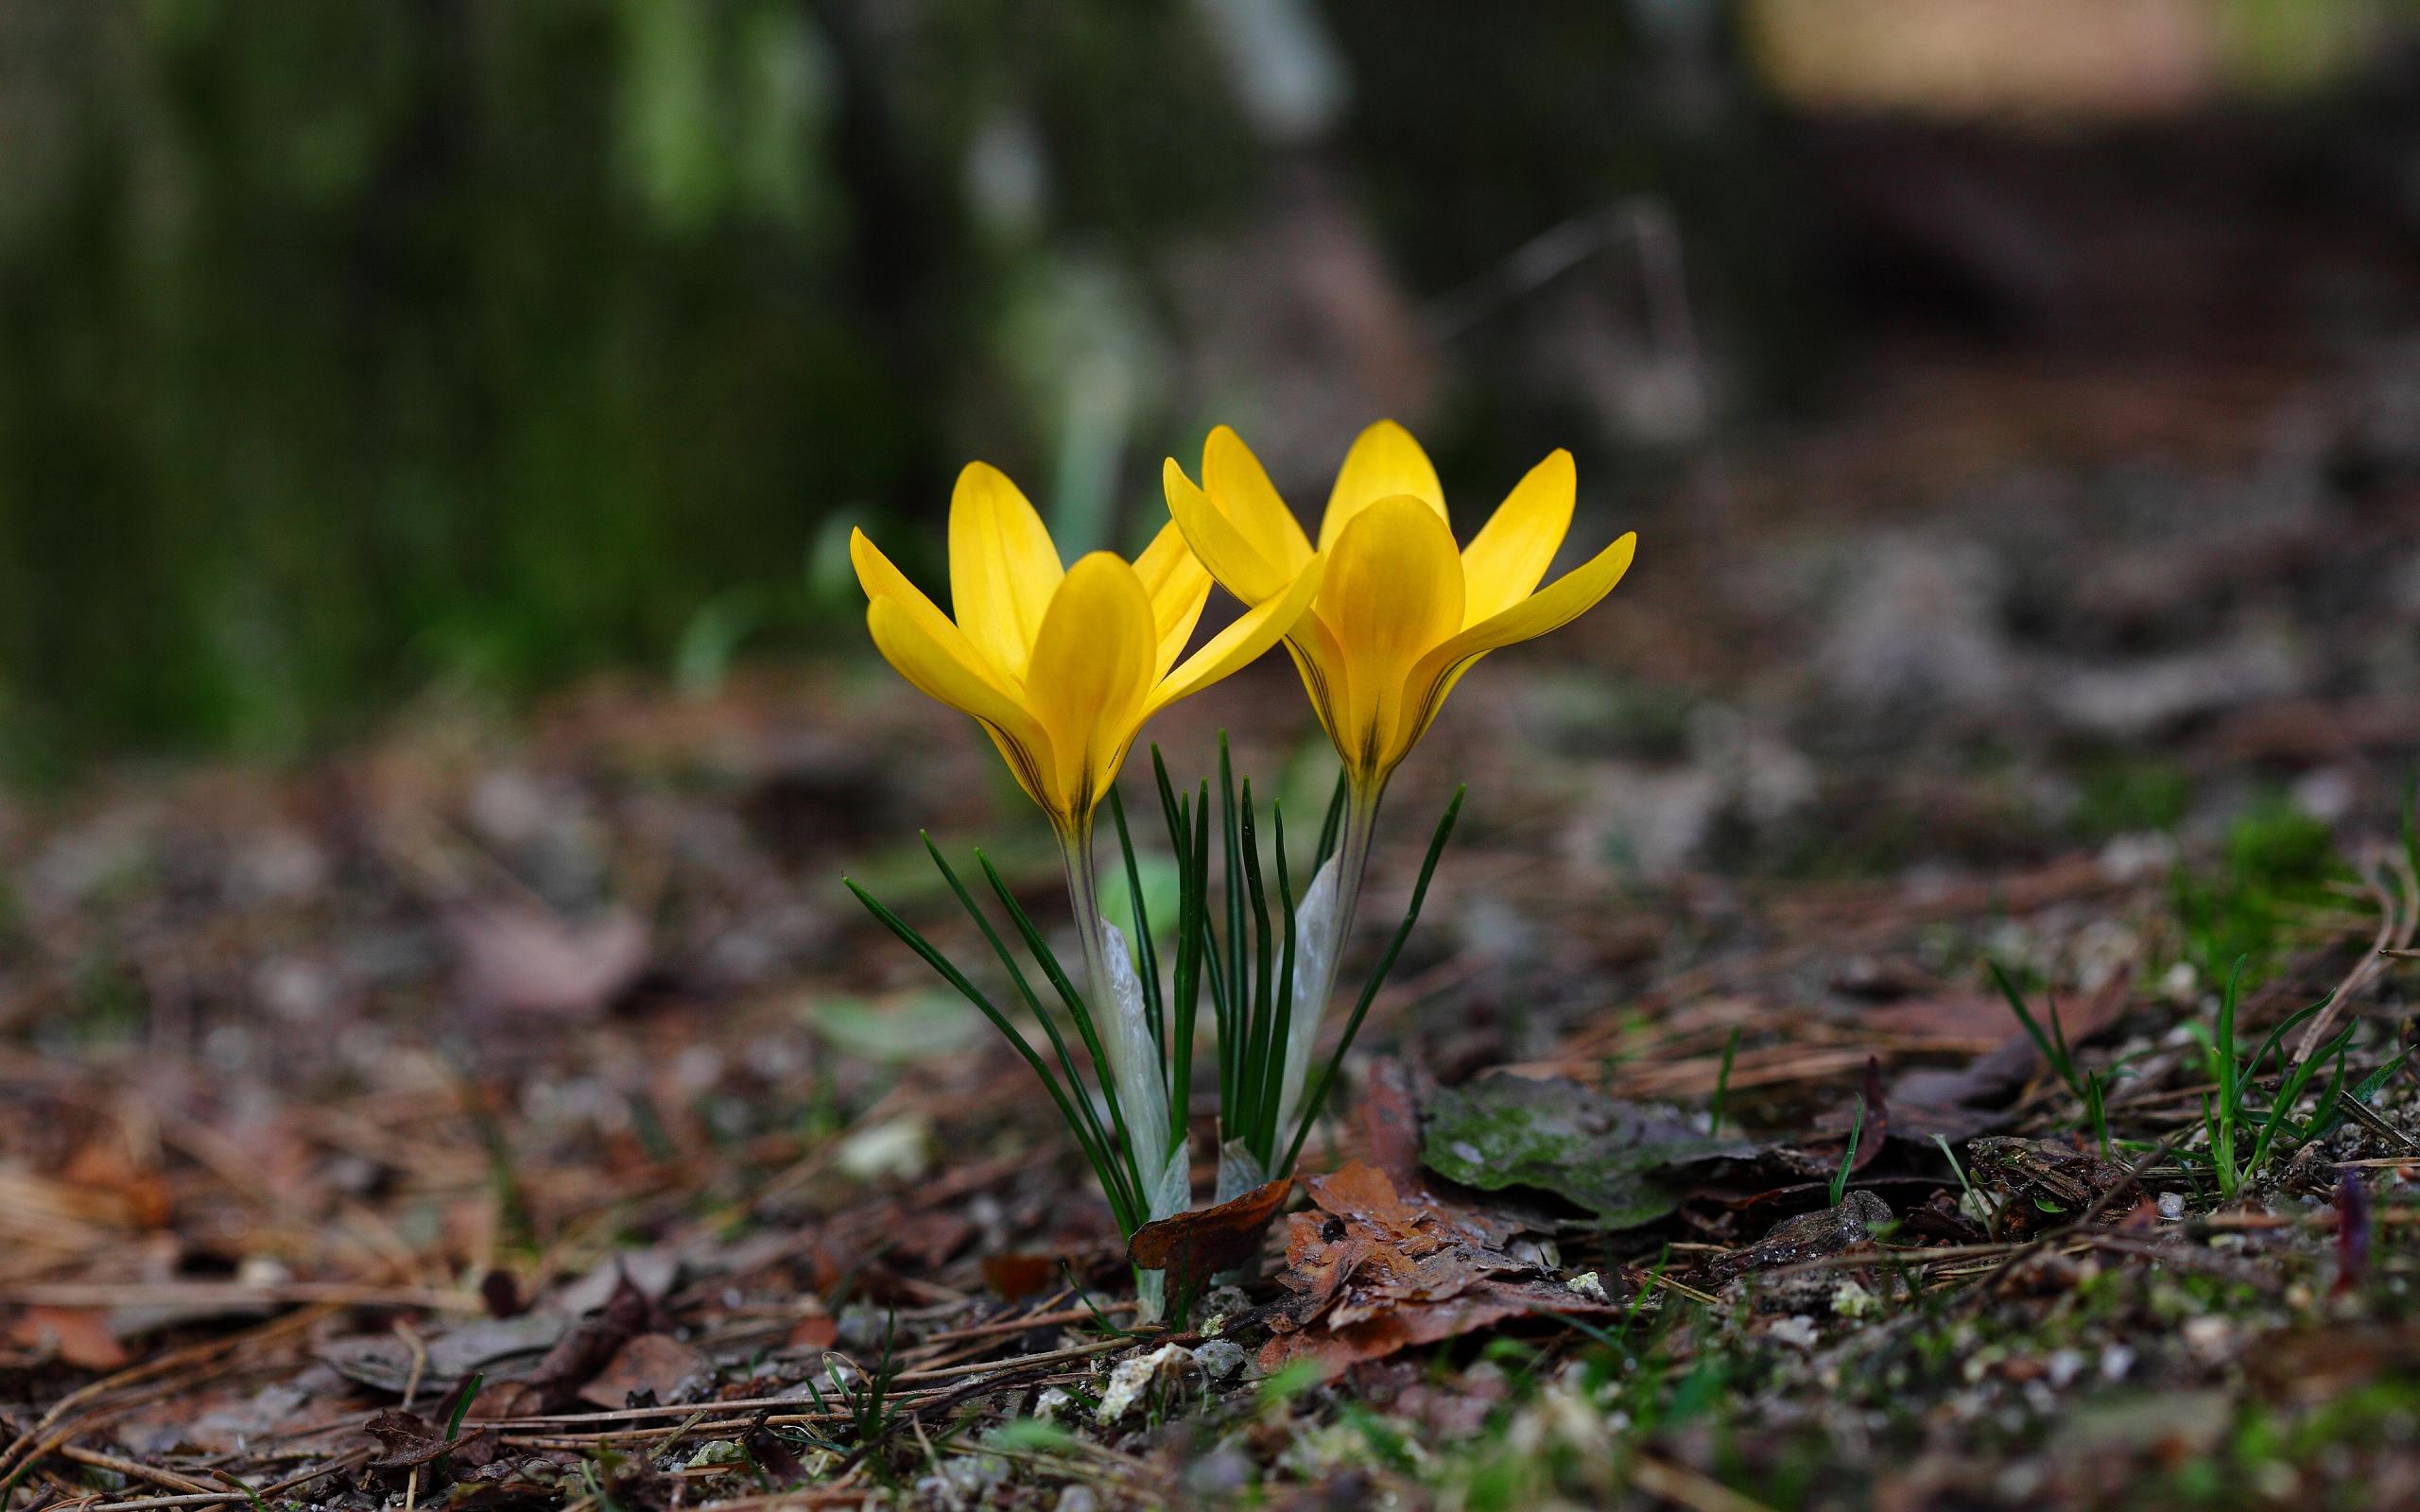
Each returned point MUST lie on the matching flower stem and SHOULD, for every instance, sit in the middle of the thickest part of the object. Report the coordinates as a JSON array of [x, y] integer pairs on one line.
[[1351, 863], [1132, 1066]]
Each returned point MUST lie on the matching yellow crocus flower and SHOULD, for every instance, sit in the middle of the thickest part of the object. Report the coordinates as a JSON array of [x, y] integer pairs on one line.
[[1401, 613], [1060, 665]]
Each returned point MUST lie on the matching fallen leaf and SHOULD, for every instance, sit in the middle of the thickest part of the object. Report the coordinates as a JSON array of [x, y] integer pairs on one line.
[[1808, 1236], [576, 1358], [1371, 1273], [1601, 1153], [78, 1335], [653, 1272], [654, 1365], [1194, 1246], [502, 1350], [818, 1332], [1014, 1277], [898, 1031], [519, 958], [1390, 1120], [411, 1442], [1959, 1103]]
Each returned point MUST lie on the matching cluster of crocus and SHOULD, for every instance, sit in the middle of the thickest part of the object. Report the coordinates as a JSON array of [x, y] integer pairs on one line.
[[1061, 667]]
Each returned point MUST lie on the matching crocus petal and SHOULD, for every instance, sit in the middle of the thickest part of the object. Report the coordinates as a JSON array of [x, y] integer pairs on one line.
[[1178, 585], [1320, 662], [1254, 631], [1393, 589], [1239, 565], [1505, 561], [881, 579], [946, 668], [1002, 567], [1089, 673], [1557, 604], [1234, 478], [1384, 461]]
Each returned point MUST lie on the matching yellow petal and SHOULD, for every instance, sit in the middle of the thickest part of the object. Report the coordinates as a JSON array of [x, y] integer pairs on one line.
[[946, 668], [1178, 585], [1002, 567], [881, 579], [1254, 631], [1384, 461], [1091, 671], [1393, 590], [1557, 604], [1504, 561], [1233, 477], [1239, 565]]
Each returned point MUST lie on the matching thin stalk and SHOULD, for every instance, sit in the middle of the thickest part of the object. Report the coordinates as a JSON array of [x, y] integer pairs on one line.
[[1352, 860], [1319, 1088], [1151, 1147], [1147, 955]]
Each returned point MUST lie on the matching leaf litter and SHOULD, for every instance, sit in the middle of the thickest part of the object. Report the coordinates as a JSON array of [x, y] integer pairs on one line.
[[284, 1163]]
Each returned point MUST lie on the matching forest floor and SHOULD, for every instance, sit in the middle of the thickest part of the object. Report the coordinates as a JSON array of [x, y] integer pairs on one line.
[[516, 1111]]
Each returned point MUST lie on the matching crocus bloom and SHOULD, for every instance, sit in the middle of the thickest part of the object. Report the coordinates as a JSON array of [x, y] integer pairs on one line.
[[1399, 616], [1401, 613], [1060, 665]]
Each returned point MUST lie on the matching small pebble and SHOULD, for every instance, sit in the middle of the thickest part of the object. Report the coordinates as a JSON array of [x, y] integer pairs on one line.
[[1219, 1358]]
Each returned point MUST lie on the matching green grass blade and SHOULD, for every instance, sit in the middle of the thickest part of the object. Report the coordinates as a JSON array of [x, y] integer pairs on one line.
[[908, 936], [1848, 1157], [1723, 1083], [1086, 1030], [1081, 1099], [2052, 1053], [1332, 829], [2286, 1026]]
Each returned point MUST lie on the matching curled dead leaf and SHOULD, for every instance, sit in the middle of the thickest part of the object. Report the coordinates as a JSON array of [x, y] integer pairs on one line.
[[1194, 1246], [1372, 1272]]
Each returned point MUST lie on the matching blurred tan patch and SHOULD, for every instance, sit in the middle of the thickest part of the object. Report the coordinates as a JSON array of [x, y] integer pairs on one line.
[[2041, 58]]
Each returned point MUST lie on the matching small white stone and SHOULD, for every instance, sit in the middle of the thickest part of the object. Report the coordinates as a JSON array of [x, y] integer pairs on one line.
[[2064, 1366], [901, 1149], [2172, 1205], [1219, 1358], [1851, 1300], [1798, 1329], [1134, 1377], [2115, 1361], [2207, 1337]]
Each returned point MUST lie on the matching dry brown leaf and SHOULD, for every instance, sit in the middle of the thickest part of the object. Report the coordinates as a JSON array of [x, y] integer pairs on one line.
[[1193, 1247], [653, 1366], [1372, 1272], [519, 958], [1014, 1277], [77, 1335]]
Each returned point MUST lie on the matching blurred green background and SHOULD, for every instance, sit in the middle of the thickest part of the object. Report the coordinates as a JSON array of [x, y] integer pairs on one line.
[[356, 348]]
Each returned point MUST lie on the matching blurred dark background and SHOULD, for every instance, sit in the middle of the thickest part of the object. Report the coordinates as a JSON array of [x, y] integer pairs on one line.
[[353, 351]]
